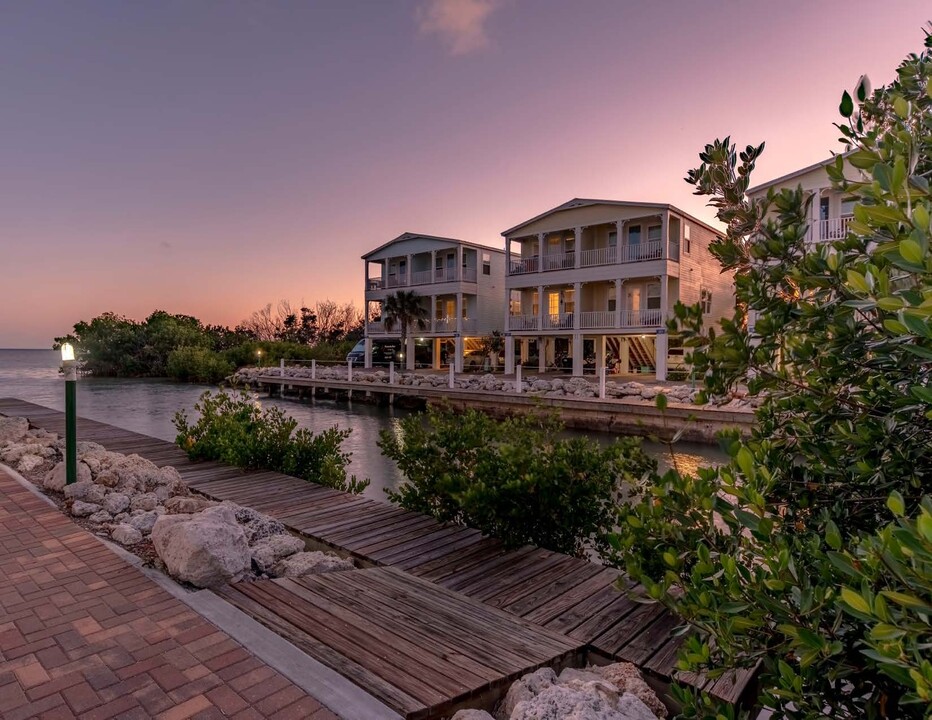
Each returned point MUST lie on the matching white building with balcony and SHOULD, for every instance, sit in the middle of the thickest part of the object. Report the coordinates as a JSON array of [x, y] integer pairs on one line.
[[591, 284], [461, 285], [830, 211]]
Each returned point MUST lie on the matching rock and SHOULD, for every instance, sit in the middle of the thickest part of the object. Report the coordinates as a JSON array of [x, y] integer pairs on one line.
[[472, 715], [181, 504], [627, 678], [126, 534], [122, 517], [85, 490], [310, 563], [55, 478], [527, 688], [205, 549], [100, 517], [107, 478], [146, 501], [144, 521], [268, 551], [564, 703], [82, 509], [631, 708], [116, 502], [13, 429], [255, 524], [28, 463]]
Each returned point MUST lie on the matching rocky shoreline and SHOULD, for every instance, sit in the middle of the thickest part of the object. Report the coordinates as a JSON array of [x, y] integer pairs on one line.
[[570, 387]]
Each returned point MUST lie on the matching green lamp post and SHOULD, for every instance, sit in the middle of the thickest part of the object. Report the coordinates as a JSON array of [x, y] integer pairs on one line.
[[71, 420]]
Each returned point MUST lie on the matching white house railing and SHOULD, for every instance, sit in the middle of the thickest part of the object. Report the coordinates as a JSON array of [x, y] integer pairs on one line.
[[397, 281], [374, 284], [558, 261], [833, 228], [641, 318], [597, 319], [377, 328], [597, 256], [560, 321], [469, 274], [642, 251], [522, 322], [525, 265], [445, 324]]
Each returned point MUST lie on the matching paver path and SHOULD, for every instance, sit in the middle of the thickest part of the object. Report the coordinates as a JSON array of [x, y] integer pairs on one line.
[[84, 634]]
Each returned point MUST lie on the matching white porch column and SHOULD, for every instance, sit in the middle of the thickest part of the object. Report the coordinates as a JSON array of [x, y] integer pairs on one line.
[[540, 307], [664, 299], [409, 353], [459, 263], [664, 232], [541, 247], [408, 266], [578, 248], [600, 353], [625, 360], [815, 222], [365, 301], [458, 360], [619, 302], [507, 256], [578, 359], [525, 350], [368, 357], [509, 354], [459, 313], [433, 313], [619, 240], [661, 351], [433, 266], [542, 354], [577, 304]]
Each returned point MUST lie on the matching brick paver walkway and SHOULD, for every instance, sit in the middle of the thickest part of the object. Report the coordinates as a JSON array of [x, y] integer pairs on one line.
[[84, 634]]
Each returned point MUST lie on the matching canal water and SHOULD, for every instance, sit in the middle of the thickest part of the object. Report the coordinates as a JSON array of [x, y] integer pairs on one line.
[[147, 406]]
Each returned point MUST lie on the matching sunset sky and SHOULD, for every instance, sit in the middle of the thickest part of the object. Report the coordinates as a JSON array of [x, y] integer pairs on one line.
[[209, 157]]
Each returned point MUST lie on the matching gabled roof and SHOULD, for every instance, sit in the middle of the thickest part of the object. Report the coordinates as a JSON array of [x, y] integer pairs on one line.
[[796, 173], [585, 202], [414, 236]]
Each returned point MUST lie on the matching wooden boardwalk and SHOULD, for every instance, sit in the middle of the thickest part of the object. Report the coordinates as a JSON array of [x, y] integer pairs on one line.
[[422, 650], [558, 593]]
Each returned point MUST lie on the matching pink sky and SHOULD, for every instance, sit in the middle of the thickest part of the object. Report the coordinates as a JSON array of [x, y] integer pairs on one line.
[[208, 158]]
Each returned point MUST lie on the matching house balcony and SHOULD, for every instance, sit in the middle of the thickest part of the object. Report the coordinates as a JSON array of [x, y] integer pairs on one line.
[[440, 326], [594, 257], [374, 284], [832, 229], [396, 281], [445, 324], [589, 320]]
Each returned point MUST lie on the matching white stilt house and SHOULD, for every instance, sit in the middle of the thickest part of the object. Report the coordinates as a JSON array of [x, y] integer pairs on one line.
[[591, 284], [460, 284]]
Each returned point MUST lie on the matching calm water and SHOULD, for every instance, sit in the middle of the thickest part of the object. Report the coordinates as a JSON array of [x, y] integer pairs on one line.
[[147, 406]]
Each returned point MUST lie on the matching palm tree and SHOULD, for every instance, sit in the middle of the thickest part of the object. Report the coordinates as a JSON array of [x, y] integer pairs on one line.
[[404, 309]]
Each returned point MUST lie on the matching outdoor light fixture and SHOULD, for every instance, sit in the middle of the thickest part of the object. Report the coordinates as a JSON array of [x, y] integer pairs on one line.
[[71, 420], [259, 355]]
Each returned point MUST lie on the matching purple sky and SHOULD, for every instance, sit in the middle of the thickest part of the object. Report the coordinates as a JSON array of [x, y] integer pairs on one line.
[[210, 157]]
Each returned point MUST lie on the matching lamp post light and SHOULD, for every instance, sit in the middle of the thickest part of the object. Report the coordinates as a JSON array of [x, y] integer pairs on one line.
[[259, 356], [71, 420]]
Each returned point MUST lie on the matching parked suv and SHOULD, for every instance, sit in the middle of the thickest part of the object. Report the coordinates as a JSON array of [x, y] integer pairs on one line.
[[382, 353]]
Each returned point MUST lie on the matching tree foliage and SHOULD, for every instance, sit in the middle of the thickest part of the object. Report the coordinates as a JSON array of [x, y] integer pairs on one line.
[[514, 479], [404, 310], [235, 429], [786, 556]]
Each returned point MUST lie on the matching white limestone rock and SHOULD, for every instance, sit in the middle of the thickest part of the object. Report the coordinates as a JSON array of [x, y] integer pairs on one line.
[[144, 521], [268, 551], [558, 702], [13, 429], [100, 517], [310, 563], [182, 504], [85, 490], [54, 479], [145, 501], [28, 463], [205, 549], [126, 534], [627, 678], [527, 688], [116, 502], [472, 715], [82, 509]]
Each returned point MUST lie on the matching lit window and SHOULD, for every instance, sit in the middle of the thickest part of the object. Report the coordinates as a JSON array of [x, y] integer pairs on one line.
[[514, 302], [553, 303], [569, 300]]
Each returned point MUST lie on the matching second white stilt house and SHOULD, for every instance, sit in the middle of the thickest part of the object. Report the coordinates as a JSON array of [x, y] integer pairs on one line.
[[591, 284], [460, 286]]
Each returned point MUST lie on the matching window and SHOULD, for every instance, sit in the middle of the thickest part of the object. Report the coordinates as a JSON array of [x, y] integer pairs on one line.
[[847, 208], [654, 233], [553, 303], [486, 264], [823, 208], [653, 296], [535, 303], [611, 305], [514, 302], [569, 300], [705, 301], [634, 235], [613, 238], [687, 243]]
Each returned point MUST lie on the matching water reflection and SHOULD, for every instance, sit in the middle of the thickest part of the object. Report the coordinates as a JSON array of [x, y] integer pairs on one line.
[[148, 406]]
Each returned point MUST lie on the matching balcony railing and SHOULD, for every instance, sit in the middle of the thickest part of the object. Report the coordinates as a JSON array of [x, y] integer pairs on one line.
[[833, 228], [597, 319], [522, 322], [469, 325], [558, 261], [397, 281], [445, 324], [641, 318], [376, 327], [420, 277], [444, 274], [597, 256], [525, 265], [469, 274], [374, 284], [642, 251], [560, 321]]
